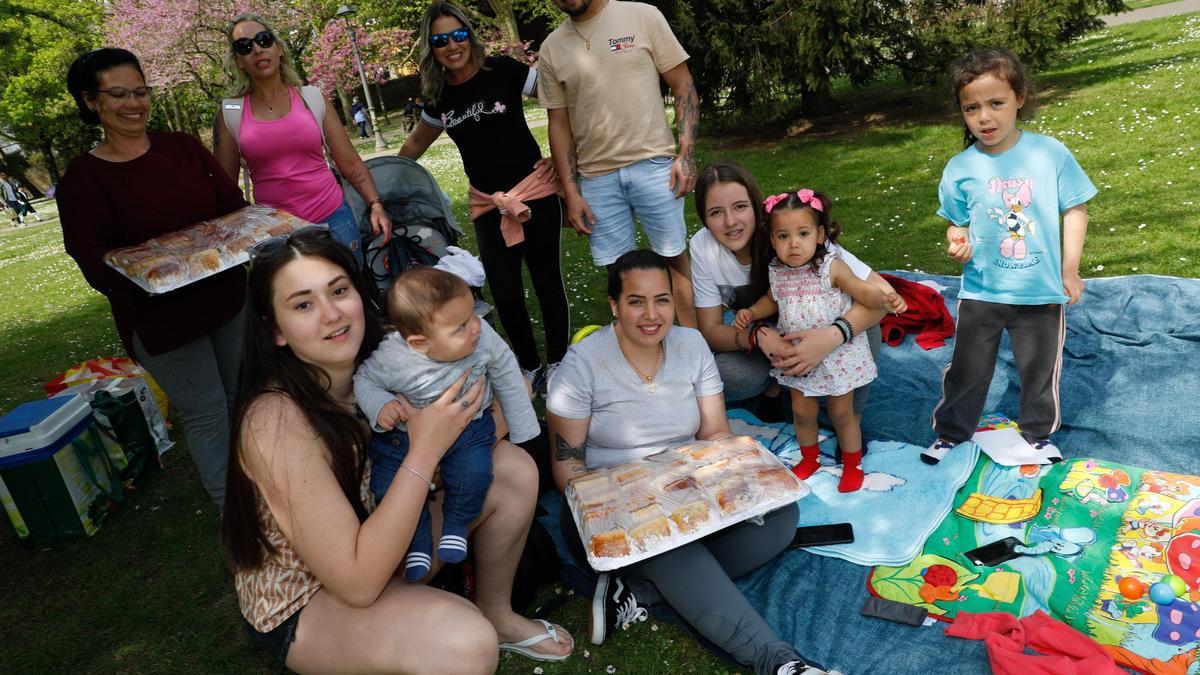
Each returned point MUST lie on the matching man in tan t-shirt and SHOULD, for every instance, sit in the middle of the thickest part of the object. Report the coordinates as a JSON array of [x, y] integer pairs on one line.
[[599, 79]]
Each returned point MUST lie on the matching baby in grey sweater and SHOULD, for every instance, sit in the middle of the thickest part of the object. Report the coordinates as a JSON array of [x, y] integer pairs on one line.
[[439, 338]]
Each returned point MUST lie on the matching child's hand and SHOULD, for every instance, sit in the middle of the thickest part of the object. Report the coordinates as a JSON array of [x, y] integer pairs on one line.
[[893, 303], [743, 318], [959, 244], [1072, 286], [391, 413]]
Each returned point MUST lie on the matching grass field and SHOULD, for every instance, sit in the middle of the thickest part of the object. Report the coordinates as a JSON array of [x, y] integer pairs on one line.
[[149, 593]]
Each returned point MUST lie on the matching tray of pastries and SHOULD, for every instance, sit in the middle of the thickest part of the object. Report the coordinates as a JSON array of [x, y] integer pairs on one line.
[[179, 258], [631, 512]]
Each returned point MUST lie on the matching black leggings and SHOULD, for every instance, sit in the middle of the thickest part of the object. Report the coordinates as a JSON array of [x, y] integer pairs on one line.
[[502, 264]]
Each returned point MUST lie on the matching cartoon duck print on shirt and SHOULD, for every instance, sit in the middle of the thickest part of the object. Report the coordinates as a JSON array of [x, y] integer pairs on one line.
[[1016, 195]]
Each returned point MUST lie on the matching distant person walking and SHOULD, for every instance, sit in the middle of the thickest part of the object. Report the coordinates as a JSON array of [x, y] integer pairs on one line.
[[358, 112], [10, 199]]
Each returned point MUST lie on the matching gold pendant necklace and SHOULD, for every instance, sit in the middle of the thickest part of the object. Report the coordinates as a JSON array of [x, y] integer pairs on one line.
[[647, 380], [270, 102], [587, 41]]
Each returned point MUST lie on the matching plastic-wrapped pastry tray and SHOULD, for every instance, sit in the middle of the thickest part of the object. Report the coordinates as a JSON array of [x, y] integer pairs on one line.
[[178, 258], [631, 512]]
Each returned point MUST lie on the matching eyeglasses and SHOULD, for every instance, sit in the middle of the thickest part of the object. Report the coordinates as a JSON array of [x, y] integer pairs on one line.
[[244, 46], [274, 244], [439, 40], [123, 94]]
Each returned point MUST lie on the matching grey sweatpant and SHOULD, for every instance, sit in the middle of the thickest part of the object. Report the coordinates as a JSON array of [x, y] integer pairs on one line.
[[1037, 333], [696, 580], [200, 379]]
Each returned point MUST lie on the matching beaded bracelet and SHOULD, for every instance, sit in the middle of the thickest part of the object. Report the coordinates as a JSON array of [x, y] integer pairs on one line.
[[752, 336], [843, 326], [371, 204]]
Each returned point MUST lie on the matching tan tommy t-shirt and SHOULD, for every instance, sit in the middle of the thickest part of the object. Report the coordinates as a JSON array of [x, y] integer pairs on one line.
[[611, 91]]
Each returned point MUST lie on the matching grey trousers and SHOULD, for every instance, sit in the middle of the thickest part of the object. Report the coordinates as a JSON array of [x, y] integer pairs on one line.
[[696, 580], [1037, 333], [748, 375], [200, 379]]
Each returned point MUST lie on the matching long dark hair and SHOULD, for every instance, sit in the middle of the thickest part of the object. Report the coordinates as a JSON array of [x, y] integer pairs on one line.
[[637, 259], [831, 228], [1001, 64], [267, 367], [729, 171]]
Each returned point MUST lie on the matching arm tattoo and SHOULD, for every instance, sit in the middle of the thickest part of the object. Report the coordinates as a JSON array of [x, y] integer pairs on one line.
[[564, 450], [687, 121], [573, 162]]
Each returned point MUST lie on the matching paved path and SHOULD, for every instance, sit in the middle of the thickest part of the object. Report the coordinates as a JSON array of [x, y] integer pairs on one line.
[[1155, 12]]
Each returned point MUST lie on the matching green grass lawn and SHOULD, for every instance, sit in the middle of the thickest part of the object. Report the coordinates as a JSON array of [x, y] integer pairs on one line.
[[149, 592]]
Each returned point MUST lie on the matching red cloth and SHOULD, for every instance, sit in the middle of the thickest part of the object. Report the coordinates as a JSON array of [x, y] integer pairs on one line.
[[511, 204], [1062, 649], [926, 315]]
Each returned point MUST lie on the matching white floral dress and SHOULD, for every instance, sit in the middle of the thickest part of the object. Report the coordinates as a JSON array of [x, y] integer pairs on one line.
[[807, 300]]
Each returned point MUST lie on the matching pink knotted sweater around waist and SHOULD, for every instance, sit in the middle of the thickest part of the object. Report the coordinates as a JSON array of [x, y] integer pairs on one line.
[[511, 204]]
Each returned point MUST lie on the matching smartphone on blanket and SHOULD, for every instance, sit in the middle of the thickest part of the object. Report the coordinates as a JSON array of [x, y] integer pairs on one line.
[[990, 555], [823, 535]]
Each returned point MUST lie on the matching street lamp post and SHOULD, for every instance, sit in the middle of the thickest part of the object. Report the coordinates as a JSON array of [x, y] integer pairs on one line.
[[344, 12]]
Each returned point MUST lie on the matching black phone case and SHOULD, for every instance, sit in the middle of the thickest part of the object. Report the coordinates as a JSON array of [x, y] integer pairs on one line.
[[898, 612], [823, 535], [990, 555]]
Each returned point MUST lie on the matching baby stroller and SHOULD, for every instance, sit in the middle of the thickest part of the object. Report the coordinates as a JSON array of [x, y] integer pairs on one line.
[[422, 225]]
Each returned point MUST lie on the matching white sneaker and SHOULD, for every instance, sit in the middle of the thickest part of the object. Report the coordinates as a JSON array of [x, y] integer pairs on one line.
[[798, 667], [531, 379], [938, 451], [544, 385]]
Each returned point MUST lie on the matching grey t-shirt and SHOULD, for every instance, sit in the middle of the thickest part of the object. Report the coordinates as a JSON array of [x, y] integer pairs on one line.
[[396, 368], [627, 422]]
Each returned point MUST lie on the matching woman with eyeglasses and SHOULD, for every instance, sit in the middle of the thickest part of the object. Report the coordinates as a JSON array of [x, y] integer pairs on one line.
[[478, 102], [282, 142], [135, 186], [315, 560]]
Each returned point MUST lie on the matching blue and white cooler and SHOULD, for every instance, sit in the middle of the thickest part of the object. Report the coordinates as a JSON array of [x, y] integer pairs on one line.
[[56, 477]]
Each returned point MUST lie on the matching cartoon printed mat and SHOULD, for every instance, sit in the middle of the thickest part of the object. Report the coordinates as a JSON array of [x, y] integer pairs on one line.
[[1098, 522]]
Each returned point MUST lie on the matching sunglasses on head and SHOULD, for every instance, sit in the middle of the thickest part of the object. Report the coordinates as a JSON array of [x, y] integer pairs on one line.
[[274, 244], [244, 46], [442, 39]]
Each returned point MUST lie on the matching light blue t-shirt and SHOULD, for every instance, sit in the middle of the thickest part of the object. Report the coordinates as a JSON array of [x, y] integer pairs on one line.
[[1012, 202]]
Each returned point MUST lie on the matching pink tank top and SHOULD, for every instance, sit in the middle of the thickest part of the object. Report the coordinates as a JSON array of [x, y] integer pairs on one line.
[[287, 162]]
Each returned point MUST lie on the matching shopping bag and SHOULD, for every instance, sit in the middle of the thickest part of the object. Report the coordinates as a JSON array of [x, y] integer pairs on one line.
[[97, 374]]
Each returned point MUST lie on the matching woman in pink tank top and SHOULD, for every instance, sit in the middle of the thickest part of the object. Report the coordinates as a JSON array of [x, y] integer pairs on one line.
[[282, 143]]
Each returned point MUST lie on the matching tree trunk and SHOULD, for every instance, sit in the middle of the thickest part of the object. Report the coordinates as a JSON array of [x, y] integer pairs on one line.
[[174, 119], [344, 100], [48, 154], [506, 19], [817, 102]]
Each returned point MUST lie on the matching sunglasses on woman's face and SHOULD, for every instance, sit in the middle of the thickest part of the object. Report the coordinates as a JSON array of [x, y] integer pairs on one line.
[[439, 40], [274, 244], [244, 46]]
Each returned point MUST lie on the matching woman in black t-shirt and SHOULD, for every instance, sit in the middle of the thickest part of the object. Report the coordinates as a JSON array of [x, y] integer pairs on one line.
[[478, 101]]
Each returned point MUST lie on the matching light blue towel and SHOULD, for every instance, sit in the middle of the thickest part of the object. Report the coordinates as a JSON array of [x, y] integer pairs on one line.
[[901, 503]]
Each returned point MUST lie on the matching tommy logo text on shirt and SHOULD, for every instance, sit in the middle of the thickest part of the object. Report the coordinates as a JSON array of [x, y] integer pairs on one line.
[[617, 44]]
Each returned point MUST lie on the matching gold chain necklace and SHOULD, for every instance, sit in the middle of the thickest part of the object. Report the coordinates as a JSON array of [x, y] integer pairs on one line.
[[270, 102], [648, 380], [587, 41]]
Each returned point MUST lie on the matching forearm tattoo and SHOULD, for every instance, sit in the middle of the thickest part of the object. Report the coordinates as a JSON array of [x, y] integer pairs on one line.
[[687, 120], [564, 451], [573, 162]]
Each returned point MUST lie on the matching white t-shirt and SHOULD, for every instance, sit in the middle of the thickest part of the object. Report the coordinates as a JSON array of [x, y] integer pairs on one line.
[[718, 278]]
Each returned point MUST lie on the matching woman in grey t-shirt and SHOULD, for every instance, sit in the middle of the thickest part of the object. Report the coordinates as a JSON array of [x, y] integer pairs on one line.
[[635, 388]]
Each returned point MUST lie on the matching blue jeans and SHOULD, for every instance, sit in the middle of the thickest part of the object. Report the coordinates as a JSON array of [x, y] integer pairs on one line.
[[466, 470], [344, 229], [642, 187]]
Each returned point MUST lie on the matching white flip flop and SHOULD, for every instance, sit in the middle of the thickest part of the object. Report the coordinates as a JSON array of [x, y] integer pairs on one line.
[[523, 647]]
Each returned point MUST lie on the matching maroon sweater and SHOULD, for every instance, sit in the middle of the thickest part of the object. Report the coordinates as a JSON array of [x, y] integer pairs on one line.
[[105, 205]]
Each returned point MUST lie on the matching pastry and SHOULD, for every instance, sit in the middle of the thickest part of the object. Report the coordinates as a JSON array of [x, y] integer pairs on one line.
[[776, 478], [646, 513], [685, 483], [588, 486], [631, 474], [690, 516], [733, 494], [598, 513], [712, 473], [705, 451], [204, 262], [610, 544], [650, 531]]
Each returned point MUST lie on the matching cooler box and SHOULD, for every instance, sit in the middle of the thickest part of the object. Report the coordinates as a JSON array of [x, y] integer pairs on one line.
[[55, 473]]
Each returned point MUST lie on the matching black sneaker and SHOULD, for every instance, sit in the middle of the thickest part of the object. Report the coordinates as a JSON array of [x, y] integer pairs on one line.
[[798, 667], [614, 607]]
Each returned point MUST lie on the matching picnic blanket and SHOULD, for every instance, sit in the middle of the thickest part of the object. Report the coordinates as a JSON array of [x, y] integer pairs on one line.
[[1100, 522], [901, 502], [1131, 371]]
